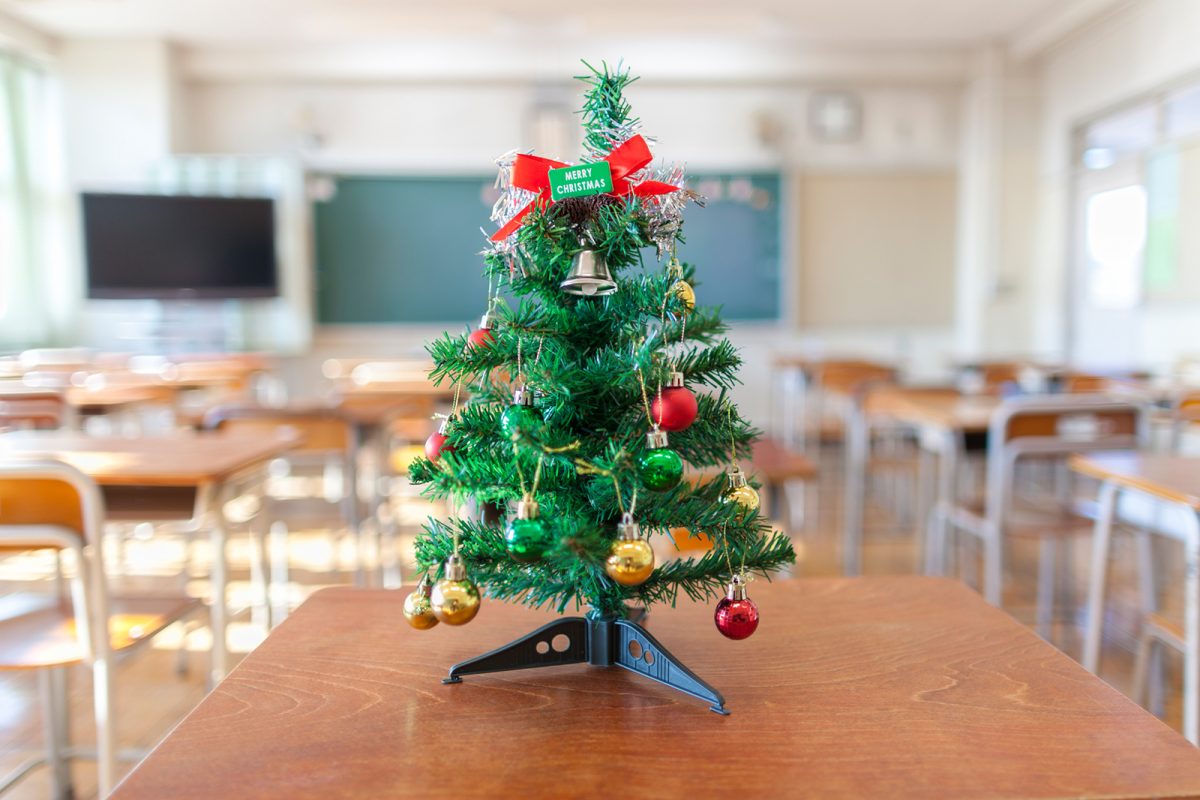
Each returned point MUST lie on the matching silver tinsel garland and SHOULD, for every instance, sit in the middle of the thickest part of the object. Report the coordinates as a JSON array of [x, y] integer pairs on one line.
[[663, 214]]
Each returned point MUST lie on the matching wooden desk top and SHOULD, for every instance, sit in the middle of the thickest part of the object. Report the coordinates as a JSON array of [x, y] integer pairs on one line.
[[175, 460], [898, 687], [109, 398], [1168, 477], [947, 410]]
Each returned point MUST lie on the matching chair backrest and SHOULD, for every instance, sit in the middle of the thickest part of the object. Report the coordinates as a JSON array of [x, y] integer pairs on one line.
[[49, 504], [850, 376], [1055, 426], [322, 430], [1067, 423]]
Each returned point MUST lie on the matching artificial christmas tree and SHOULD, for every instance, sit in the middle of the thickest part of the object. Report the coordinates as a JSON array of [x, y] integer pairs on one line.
[[572, 441]]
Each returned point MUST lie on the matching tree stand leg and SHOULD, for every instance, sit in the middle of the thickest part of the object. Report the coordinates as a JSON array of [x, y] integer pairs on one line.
[[601, 642]]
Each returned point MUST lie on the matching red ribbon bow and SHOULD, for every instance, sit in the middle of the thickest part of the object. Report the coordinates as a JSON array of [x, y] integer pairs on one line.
[[533, 173]]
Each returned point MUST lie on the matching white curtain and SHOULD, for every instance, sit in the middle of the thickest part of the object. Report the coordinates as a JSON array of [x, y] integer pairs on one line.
[[36, 294]]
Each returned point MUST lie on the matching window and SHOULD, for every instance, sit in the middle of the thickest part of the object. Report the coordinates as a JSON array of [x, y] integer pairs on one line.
[[32, 205], [1115, 234]]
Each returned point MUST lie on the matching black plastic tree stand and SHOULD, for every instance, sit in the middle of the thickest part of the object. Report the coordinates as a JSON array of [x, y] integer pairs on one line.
[[600, 641]]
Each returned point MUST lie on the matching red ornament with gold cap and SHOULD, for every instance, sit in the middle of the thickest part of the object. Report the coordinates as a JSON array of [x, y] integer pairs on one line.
[[737, 615], [482, 336], [675, 408]]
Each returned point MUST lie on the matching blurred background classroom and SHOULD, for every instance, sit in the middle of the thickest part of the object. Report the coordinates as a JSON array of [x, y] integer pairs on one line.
[[927, 221]]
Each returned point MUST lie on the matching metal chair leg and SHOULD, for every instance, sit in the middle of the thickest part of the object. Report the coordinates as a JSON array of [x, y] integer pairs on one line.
[[53, 685], [1191, 632], [280, 578], [260, 576], [1101, 537], [106, 734], [1148, 589], [993, 565], [1047, 560], [1141, 661]]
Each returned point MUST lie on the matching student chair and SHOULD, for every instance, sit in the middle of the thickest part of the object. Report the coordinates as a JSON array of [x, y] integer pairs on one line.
[[50, 505], [1048, 429], [328, 440]]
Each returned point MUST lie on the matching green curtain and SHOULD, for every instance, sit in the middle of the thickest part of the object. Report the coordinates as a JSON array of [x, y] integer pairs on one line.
[[32, 207]]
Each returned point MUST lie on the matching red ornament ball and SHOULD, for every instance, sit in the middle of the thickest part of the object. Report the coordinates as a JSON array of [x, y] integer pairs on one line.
[[435, 445], [736, 619], [482, 337], [676, 409]]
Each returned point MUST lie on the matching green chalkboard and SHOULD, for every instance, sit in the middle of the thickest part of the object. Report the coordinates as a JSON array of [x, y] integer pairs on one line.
[[406, 249]]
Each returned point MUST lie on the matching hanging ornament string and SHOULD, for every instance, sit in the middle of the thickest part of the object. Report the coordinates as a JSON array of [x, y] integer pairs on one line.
[[646, 398], [725, 542], [732, 438]]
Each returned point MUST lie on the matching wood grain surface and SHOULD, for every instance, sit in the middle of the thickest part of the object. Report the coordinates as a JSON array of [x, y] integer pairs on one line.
[[866, 687], [1173, 478], [180, 459]]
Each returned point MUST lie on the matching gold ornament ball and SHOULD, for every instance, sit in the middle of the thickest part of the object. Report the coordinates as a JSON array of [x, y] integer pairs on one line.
[[686, 295], [418, 610], [630, 562], [455, 602], [742, 496]]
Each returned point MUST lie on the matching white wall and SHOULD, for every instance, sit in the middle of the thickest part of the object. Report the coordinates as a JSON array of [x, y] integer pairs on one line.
[[1134, 51]]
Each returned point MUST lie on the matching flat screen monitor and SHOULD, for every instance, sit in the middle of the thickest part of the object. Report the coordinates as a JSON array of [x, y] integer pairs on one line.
[[179, 247]]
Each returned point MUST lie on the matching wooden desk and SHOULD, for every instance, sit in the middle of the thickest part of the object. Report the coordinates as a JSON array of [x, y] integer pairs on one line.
[[942, 419], [182, 476], [1165, 479], [108, 399], [900, 687]]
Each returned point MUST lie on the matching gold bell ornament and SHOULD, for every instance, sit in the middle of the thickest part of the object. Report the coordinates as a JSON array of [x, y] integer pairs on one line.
[[631, 559], [740, 493], [418, 610], [589, 276], [454, 599]]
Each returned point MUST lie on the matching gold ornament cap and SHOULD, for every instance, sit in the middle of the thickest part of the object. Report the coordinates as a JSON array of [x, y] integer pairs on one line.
[[657, 439], [737, 478], [527, 508], [454, 570], [628, 529], [675, 381], [737, 588]]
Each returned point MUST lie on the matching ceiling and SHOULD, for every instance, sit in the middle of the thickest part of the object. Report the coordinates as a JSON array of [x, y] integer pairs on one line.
[[233, 23]]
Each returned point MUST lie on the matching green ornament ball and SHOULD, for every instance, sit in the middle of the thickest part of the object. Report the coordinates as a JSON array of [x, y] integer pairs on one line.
[[519, 419], [660, 469], [526, 540]]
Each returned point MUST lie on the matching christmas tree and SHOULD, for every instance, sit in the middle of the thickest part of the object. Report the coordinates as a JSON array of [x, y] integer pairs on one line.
[[579, 419]]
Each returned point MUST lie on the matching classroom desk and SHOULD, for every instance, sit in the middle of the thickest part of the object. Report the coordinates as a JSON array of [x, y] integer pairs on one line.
[[898, 687], [942, 419], [176, 477], [1172, 481], [111, 399]]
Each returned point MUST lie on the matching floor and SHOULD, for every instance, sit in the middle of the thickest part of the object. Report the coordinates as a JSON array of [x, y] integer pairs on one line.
[[152, 695]]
